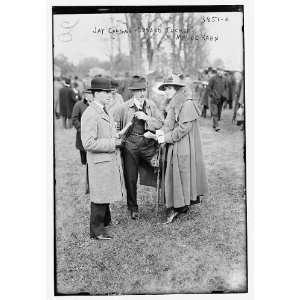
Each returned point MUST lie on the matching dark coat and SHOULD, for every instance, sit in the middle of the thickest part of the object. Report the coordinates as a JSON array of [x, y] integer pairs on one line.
[[67, 99], [78, 110], [217, 88]]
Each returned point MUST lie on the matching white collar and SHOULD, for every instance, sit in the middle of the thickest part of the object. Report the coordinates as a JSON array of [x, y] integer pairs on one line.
[[99, 104], [137, 103]]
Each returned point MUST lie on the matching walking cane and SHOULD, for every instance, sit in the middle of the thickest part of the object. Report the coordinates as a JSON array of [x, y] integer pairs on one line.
[[158, 182]]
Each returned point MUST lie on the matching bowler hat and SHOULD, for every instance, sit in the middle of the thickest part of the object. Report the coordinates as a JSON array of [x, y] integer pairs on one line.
[[67, 81], [137, 83], [172, 80], [100, 84], [114, 83]]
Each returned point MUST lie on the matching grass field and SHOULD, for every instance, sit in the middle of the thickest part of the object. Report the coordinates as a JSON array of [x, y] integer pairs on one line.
[[201, 252]]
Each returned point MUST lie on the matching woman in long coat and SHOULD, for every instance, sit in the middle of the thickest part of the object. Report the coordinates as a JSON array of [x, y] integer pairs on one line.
[[98, 135], [185, 177]]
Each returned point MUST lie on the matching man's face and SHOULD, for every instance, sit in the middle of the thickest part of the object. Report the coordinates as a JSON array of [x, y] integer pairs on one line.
[[140, 95], [170, 91], [220, 72], [103, 97]]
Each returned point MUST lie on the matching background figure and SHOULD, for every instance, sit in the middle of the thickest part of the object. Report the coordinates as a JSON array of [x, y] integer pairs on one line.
[[78, 110], [239, 109], [116, 98], [229, 90], [67, 100], [77, 94], [57, 86], [217, 89], [204, 97], [79, 84]]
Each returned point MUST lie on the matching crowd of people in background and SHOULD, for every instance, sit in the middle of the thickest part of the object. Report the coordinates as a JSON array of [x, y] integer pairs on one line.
[[213, 89], [122, 123]]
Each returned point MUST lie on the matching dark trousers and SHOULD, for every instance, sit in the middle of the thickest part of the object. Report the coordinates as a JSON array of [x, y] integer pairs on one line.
[[99, 218], [83, 156], [66, 123], [204, 110], [137, 150], [216, 110]]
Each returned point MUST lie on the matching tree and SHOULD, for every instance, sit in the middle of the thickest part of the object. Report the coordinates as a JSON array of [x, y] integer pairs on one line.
[[134, 23], [218, 62], [67, 68], [86, 64]]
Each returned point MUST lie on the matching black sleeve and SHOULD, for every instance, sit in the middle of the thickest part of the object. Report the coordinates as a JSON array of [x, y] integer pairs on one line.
[[76, 116]]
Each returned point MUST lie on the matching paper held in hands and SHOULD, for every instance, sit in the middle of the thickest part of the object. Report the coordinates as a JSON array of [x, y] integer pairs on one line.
[[160, 136]]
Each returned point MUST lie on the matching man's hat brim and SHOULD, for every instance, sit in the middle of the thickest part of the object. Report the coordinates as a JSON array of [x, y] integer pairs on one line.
[[163, 85], [132, 88], [99, 90]]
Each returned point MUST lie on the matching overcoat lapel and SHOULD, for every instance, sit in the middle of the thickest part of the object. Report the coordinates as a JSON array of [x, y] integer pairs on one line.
[[100, 111]]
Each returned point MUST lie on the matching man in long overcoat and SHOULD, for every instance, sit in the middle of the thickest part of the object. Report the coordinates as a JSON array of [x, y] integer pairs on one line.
[[137, 116], [217, 90], [98, 135]]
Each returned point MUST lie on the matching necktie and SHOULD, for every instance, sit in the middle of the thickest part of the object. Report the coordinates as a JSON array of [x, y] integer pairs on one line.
[[105, 110]]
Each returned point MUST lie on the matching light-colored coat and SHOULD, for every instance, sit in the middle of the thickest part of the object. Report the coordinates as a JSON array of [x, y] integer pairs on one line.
[[98, 138], [185, 176]]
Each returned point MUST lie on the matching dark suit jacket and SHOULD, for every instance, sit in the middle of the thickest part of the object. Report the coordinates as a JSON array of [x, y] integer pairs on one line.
[[67, 99], [78, 110]]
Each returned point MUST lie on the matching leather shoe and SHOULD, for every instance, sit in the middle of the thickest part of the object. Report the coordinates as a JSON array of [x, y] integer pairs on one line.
[[134, 215], [171, 217], [103, 236]]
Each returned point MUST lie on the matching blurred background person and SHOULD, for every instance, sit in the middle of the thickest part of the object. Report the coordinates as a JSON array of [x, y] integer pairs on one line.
[[116, 98], [57, 86], [239, 109], [77, 93], [78, 110], [67, 100], [79, 84], [217, 89], [229, 90]]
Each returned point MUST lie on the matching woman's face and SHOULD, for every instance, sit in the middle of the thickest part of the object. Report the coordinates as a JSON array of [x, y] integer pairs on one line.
[[170, 91]]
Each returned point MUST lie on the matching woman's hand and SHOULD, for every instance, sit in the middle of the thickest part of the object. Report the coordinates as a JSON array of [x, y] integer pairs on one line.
[[160, 136], [150, 135]]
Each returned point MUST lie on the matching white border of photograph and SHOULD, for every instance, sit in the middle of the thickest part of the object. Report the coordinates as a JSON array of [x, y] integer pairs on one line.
[[248, 37]]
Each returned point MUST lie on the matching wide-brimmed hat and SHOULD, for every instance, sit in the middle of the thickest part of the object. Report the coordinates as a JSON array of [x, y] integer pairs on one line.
[[172, 80], [101, 84], [137, 83]]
